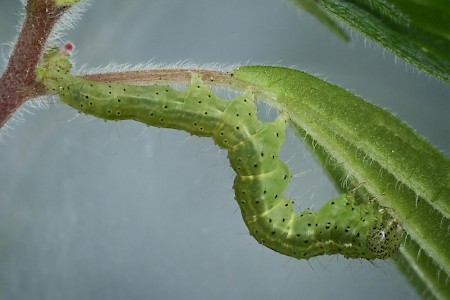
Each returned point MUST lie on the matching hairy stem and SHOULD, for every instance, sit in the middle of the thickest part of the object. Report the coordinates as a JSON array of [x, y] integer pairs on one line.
[[18, 83], [167, 76]]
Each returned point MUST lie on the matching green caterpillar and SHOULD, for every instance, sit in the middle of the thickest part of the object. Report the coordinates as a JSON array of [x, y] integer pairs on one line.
[[342, 225]]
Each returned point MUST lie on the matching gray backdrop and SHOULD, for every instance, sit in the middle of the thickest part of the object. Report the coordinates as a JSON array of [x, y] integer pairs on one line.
[[106, 210]]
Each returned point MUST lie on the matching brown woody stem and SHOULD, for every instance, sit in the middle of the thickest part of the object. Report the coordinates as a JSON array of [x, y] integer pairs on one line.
[[18, 82]]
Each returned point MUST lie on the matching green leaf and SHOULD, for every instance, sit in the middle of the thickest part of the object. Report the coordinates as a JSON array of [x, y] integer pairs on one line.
[[417, 31], [312, 7], [422, 272], [368, 146]]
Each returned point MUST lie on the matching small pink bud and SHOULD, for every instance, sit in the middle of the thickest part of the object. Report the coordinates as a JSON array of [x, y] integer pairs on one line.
[[69, 46]]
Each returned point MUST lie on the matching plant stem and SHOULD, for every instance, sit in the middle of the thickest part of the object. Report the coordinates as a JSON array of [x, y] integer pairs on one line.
[[168, 76], [18, 83]]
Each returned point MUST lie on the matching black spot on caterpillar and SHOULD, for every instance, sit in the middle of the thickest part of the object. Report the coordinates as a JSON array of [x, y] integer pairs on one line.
[[343, 225]]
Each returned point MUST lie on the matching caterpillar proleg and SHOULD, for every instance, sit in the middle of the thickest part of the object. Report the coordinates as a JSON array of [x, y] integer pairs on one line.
[[343, 225]]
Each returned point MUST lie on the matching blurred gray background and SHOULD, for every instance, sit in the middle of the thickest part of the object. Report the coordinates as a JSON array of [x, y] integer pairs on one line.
[[115, 210]]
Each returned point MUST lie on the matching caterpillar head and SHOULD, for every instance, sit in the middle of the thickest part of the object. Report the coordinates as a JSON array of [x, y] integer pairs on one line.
[[54, 66], [384, 239]]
